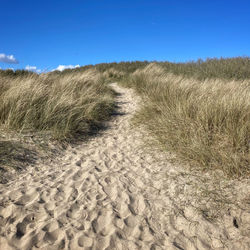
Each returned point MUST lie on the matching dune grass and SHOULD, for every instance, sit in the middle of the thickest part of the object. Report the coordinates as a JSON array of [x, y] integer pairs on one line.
[[237, 68], [205, 122], [200, 110], [51, 107], [64, 105]]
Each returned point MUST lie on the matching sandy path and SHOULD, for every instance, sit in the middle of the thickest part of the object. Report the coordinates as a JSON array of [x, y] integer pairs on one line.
[[108, 194]]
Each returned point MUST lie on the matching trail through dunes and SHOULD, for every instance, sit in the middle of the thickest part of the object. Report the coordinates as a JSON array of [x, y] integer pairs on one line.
[[111, 193]]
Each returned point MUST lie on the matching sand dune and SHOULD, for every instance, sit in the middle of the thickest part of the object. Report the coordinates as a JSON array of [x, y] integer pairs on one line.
[[110, 193]]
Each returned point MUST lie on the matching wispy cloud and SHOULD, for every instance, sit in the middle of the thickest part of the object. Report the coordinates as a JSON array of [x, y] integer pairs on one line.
[[8, 59], [63, 67], [33, 68]]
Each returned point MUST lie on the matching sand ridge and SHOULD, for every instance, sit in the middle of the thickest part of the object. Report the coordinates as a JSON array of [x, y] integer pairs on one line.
[[108, 193]]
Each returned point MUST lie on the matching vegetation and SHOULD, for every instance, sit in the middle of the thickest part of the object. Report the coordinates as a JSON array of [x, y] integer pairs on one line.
[[237, 68], [62, 106], [16, 73], [124, 68], [206, 122], [199, 110]]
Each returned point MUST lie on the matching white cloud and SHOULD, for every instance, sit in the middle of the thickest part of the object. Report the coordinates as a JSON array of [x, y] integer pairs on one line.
[[8, 59], [33, 68], [63, 67]]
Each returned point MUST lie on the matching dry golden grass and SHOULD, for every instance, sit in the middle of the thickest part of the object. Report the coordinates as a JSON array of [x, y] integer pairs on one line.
[[197, 109], [206, 122], [112, 73], [237, 68], [49, 106], [62, 104]]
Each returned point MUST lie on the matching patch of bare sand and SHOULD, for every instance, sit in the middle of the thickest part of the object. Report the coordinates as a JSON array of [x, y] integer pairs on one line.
[[110, 193]]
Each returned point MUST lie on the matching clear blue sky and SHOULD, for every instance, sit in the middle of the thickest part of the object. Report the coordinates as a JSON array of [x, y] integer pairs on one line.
[[46, 33]]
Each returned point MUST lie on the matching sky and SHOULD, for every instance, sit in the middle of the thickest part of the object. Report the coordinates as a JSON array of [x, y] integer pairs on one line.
[[43, 35]]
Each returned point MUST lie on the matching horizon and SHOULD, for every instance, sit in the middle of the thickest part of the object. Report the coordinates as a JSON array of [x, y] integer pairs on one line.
[[44, 36]]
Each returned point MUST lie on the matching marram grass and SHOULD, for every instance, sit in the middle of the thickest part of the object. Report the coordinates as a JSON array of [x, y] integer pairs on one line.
[[199, 110], [63, 104], [206, 122]]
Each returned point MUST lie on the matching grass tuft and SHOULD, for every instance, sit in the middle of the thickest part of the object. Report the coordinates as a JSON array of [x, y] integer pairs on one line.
[[65, 104], [206, 122], [48, 107]]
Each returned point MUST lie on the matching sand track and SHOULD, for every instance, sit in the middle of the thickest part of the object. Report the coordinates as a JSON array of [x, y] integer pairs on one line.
[[108, 194]]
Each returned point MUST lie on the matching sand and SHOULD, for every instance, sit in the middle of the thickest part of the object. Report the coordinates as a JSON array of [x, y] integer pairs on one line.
[[112, 193]]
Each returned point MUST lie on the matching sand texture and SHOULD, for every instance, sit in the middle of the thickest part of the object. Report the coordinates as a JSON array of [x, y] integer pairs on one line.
[[112, 193]]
